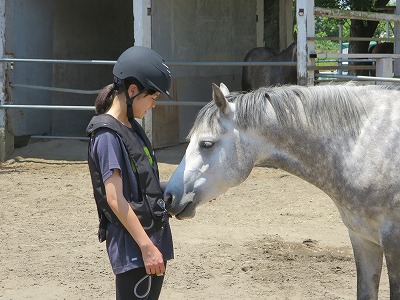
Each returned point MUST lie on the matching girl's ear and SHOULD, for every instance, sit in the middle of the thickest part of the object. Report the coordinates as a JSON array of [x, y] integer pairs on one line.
[[133, 90]]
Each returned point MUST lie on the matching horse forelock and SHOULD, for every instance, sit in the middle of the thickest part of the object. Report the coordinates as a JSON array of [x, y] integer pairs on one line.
[[207, 121]]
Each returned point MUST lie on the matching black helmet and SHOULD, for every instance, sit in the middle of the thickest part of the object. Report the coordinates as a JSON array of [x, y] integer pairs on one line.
[[147, 66]]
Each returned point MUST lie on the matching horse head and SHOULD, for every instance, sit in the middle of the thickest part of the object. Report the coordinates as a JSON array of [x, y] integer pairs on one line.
[[218, 157]]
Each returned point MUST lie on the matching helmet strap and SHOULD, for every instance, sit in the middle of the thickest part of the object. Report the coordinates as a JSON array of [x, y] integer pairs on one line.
[[129, 102], [119, 84]]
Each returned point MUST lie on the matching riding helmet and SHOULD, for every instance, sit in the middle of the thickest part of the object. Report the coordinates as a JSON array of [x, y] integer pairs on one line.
[[147, 66]]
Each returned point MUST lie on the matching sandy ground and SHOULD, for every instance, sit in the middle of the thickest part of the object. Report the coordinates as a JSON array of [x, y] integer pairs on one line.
[[273, 237]]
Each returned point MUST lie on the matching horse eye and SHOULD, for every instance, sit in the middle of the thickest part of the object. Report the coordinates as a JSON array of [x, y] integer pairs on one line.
[[206, 144]]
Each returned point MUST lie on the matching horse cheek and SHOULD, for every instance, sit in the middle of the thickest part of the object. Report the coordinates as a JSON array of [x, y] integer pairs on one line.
[[238, 164]]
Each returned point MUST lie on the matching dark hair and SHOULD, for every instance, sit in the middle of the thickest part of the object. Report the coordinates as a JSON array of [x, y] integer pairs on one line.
[[106, 96]]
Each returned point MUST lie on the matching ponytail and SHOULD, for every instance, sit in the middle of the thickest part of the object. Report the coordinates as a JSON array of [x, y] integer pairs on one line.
[[104, 99]]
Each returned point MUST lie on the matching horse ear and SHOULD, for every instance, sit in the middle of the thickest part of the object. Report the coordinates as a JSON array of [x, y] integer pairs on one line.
[[219, 99], [224, 89]]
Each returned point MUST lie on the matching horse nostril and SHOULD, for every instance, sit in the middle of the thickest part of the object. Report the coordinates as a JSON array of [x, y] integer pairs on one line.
[[168, 198]]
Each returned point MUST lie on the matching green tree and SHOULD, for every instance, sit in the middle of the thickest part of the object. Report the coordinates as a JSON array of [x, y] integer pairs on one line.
[[358, 28]]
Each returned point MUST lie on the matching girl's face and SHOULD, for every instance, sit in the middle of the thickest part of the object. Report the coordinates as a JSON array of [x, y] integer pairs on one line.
[[143, 103]]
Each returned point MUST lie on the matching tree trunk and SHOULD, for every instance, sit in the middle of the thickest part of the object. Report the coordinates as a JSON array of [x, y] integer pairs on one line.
[[360, 28]]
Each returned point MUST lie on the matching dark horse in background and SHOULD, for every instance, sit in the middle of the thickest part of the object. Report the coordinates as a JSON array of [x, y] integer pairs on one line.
[[254, 77], [385, 47], [381, 48]]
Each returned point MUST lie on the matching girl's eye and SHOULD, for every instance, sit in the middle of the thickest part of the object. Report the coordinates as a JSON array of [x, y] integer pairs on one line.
[[206, 144]]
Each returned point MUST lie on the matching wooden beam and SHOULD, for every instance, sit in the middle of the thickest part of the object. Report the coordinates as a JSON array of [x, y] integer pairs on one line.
[[3, 83], [356, 55], [330, 38], [301, 17], [353, 14]]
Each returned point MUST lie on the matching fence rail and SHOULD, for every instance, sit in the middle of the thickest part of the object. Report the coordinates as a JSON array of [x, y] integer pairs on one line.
[[306, 12], [105, 62], [356, 15], [177, 64], [359, 78]]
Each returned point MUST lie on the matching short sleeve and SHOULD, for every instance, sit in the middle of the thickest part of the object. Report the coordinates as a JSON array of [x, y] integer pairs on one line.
[[107, 152]]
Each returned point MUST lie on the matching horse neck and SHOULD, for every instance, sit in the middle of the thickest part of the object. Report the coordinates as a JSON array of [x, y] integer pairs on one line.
[[303, 152]]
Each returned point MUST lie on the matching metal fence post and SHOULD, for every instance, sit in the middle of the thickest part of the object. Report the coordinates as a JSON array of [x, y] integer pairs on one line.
[[310, 44], [301, 16], [384, 67], [6, 139], [397, 43]]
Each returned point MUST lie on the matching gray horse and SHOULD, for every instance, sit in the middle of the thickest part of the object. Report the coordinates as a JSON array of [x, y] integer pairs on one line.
[[254, 77], [343, 139]]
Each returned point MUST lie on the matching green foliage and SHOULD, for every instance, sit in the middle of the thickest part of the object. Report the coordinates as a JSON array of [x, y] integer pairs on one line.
[[380, 31], [363, 5], [329, 27]]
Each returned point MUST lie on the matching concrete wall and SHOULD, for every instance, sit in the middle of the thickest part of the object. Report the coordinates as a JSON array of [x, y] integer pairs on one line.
[[278, 23], [29, 34], [201, 31], [65, 29], [99, 31]]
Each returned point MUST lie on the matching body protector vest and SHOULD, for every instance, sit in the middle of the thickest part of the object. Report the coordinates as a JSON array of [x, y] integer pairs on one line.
[[150, 207]]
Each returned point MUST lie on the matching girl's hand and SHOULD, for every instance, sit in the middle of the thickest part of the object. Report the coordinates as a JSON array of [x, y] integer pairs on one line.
[[153, 259]]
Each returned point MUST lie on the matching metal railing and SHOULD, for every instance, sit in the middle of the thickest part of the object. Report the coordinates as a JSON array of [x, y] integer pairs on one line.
[[160, 103], [11, 61], [176, 64], [105, 62]]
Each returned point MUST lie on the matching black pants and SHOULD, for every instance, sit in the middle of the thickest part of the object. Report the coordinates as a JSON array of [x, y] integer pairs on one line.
[[129, 288]]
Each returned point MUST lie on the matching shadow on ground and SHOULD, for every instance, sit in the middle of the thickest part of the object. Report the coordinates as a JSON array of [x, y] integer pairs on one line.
[[76, 150]]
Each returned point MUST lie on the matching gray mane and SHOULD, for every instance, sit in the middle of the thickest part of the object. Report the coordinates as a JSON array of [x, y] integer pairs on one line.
[[333, 108], [329, 107]]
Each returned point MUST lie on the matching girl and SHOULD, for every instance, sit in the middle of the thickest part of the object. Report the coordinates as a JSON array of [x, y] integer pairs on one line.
[[124, 173]]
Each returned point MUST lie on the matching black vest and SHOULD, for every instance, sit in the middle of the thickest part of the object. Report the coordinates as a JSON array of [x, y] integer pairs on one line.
[[150, 207]]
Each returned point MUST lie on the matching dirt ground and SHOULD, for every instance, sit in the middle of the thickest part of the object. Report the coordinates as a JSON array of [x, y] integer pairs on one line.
[[273, 237]]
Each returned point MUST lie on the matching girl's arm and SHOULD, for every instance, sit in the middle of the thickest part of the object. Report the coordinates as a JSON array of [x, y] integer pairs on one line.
[[152, 257]]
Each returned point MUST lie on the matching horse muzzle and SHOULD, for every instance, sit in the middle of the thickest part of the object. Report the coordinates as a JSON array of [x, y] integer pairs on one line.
[[181, 210]]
